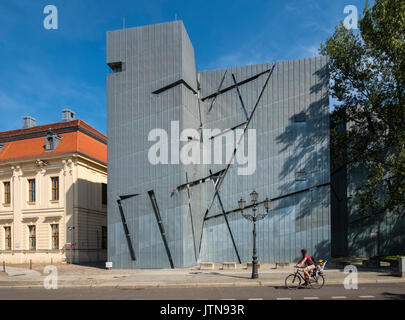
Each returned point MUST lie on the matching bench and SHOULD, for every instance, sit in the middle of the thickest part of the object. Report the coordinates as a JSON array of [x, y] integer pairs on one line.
[[282, 264], [371, 263], [385, 262], [207, 266], [229, 266], [401, 267]]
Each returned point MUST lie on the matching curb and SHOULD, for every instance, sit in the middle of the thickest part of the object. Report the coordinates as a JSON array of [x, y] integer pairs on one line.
[[138, 285]]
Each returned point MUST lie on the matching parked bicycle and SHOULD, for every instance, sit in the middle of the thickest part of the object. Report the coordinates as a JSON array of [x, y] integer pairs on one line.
[[297, 279]]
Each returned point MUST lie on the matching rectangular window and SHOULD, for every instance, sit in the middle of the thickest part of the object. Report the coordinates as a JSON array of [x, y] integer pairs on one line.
[[104, 193], [55, 188], [116, 66], [31, 190], [7, 238], [7, 194], [300, 117], [104, 237], [55, 236], [50, 143], [32, 238]]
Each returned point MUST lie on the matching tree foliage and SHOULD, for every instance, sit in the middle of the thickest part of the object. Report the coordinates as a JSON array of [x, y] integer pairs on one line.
[[367, 70]]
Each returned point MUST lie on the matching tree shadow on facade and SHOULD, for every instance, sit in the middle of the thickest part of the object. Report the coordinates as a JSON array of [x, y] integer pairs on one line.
[[306, 140], [322, 250], [377, 235], [307, 136], [307, 129]]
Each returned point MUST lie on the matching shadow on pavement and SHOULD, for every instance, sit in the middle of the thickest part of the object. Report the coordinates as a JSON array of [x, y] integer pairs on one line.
[[394, 296], [96, 265], [221, 274], [392, 274], [285, 288]]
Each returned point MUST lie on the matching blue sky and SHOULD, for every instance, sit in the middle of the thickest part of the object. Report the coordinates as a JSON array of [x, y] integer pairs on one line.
[[43, 71]]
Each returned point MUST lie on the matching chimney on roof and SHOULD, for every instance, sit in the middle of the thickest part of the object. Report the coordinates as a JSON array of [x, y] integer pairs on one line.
[[29, 122], [67, 115]]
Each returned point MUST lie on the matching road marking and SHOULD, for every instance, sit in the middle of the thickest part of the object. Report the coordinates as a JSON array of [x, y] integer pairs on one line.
[[366, 297], [311, 298], [227, 299], [339, 297], [255, 299], [283, 298]]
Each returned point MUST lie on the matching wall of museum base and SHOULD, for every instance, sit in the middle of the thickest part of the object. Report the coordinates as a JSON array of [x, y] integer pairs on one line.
[[53, 256]]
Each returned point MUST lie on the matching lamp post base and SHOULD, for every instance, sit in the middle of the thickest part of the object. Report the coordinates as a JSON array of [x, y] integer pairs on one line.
[[255, 273]]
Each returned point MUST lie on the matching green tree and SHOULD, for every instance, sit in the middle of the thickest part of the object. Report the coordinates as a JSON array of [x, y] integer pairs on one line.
[[367, 70]]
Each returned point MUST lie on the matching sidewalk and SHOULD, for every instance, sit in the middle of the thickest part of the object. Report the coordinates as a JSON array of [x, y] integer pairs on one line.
[[92, 277]]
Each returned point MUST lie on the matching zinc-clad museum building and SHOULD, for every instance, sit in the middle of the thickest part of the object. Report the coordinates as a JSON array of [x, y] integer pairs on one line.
[[169, 215]]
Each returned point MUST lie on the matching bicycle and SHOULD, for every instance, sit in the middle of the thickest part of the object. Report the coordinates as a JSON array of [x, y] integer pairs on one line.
[[316, 281]]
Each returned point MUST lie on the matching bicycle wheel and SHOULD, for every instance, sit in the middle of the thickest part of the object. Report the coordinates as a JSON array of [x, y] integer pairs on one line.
[[292, 281], [317, 282]]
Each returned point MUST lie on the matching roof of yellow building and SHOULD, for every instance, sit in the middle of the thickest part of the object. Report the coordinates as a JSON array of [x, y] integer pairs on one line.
[[76, 137]]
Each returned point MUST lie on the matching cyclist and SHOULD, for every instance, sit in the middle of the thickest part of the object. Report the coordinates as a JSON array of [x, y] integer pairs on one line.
[[310, 265]]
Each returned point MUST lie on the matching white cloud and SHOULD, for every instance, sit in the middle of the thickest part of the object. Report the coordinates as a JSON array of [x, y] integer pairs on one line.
[[311, 51]]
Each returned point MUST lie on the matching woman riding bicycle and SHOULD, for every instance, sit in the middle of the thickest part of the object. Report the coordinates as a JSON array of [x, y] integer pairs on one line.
[[310, 265]]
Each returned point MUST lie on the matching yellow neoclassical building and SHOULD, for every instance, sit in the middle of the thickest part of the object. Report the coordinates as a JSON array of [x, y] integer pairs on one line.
[[53, 192]]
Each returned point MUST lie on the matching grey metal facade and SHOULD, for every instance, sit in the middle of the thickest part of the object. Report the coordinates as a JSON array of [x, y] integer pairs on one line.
[[156, 83]]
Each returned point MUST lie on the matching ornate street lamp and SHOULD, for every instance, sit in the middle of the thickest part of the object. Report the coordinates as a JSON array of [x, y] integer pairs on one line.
[[254, 217]]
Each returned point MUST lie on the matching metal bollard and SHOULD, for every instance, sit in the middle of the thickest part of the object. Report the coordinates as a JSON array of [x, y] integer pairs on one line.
[[401, 267], [4, 266], [51, 261], [30, 264]]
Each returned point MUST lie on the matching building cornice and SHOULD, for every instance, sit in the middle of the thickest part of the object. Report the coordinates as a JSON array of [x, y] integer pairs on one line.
[[58, 128], [62, 156]]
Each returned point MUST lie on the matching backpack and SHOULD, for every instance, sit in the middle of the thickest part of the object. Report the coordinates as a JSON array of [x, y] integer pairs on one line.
[[314, 272]]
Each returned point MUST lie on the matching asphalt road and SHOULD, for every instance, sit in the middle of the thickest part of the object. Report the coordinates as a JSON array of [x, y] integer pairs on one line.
[[391, 291]]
